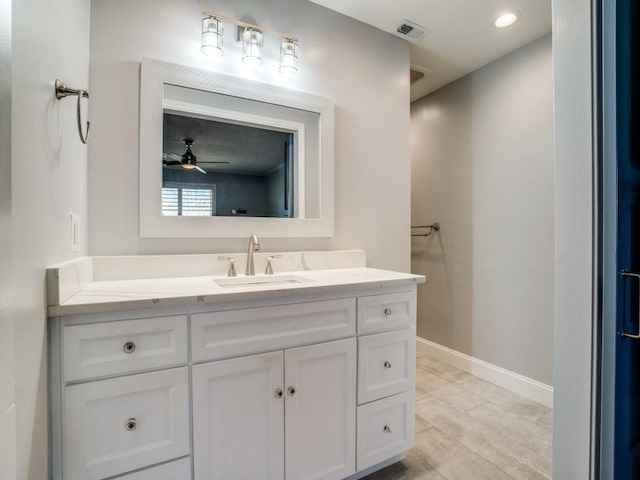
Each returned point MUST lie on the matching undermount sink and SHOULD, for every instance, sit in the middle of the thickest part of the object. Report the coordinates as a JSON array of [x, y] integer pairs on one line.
[[260, 281]]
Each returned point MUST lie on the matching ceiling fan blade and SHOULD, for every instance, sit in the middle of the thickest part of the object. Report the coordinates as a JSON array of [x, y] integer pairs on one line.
[[200, 169], [212, 163]]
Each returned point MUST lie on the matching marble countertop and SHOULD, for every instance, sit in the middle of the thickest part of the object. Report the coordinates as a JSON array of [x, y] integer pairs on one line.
[[129, 294]]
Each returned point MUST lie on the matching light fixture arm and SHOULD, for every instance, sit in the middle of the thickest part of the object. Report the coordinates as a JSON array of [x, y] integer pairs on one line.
[[250, 25]]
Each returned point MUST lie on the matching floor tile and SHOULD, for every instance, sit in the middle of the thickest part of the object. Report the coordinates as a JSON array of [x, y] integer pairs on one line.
[[453, 460], [507, 400], [412, 467], [449, 373], [527, 433]]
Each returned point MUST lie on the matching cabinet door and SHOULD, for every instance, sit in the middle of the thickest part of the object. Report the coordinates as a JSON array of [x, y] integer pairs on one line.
[[238, 418], [122, 424], [320, 413]]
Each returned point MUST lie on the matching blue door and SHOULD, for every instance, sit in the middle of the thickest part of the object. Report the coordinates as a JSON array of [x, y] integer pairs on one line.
[[619, 97]]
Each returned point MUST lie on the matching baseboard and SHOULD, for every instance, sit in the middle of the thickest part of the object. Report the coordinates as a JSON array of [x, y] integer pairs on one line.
[[514, 382]]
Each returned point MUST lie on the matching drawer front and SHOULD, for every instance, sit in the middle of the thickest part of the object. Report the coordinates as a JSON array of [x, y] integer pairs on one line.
[[378, 313], [177, 470], [122, 424], [239, 332], [386, 364], [385, 429], [109, 348]]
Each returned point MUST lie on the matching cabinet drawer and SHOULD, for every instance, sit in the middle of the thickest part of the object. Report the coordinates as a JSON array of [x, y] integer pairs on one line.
[[385, 429], [177, 470], [386, 364], [386, 312], [239, 332], [100, 349], [122, 424]]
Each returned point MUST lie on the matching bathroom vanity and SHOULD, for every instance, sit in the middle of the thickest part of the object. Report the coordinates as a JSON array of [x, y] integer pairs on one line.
[[305, 374]]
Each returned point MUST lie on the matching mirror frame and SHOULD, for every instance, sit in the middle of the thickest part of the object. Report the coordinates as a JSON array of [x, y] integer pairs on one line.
[[154, 74]]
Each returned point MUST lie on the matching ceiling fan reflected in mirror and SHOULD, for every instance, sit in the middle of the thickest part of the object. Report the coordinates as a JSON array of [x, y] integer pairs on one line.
[[188, 160]]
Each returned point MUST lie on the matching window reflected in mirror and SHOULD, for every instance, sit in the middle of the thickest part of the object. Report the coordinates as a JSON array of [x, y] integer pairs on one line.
[[215, 167]]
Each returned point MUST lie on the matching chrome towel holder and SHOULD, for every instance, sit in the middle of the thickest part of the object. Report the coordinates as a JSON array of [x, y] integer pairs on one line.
[[432, 228], [62, 90]]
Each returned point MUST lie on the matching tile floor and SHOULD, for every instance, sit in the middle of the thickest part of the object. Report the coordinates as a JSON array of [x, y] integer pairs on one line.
[[469, 429]]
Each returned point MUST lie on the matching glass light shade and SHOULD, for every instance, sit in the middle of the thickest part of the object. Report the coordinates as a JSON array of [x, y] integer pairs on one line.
[[288, 58], [252, 46], [212, 40]]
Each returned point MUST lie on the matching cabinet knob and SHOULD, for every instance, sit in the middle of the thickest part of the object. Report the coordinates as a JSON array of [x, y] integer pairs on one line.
[[130, 425], [278, 393], [387, 364], [129, 347], [387, 429], [291, 391], [387, 312]]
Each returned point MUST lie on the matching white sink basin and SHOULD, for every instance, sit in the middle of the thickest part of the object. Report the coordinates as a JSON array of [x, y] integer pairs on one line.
[[261, 281]]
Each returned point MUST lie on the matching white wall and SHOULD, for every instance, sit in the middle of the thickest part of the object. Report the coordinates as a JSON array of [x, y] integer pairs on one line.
[[370, 91], [482, 166], [572, 63], [48, 176]]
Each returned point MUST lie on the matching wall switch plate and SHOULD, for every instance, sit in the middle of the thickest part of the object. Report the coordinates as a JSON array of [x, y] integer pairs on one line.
[[74, 234]]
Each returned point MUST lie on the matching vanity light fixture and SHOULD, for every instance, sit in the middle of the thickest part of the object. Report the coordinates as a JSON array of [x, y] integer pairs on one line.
[[506, 19], [288, 58], [252, 38], [252, 41], [212, 36]]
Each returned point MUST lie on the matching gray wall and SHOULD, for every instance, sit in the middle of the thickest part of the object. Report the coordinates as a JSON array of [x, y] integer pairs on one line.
[[482, 166], [331, 64]]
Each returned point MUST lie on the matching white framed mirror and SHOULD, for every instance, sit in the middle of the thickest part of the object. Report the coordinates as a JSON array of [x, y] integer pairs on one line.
[[257, 158]]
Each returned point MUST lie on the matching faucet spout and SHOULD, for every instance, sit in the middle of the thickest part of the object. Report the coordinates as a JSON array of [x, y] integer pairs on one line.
[[254, 246]]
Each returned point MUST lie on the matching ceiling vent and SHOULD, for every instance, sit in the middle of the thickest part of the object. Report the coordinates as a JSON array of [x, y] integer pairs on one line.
[[411, 31], [417, 73]]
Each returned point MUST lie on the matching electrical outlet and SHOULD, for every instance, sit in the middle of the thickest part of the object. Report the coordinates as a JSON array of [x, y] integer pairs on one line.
[[74, 233]]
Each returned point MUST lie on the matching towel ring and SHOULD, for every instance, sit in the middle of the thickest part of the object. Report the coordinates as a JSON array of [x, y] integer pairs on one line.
[[62, 90]]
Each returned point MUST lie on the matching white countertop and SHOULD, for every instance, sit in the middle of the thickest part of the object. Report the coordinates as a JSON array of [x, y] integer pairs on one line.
[[117, 295]]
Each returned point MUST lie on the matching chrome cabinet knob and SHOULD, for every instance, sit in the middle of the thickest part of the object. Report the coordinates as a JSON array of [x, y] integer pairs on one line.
[[387, 429], [130, 425], [278, 393], [387, 312], [291, 391], [387, 364], [129, 347]]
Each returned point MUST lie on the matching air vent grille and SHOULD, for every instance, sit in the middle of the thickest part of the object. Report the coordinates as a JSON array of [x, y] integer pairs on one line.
[[415, 75], [411, 31]]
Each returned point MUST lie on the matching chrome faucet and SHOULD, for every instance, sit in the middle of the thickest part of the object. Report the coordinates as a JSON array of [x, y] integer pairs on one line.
[[254, 246]]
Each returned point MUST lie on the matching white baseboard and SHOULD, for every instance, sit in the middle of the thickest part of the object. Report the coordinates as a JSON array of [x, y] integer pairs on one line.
[[514, 382]]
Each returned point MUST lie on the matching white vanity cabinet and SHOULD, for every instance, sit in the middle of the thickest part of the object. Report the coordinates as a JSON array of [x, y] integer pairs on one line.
[[298, 388], [250, 410]]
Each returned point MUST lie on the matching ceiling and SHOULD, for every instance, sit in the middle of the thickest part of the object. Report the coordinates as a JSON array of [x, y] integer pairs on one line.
[[462, 37], [225, 147]]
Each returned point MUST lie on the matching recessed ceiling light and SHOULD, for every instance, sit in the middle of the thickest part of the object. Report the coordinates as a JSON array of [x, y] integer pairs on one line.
[[507, 19]]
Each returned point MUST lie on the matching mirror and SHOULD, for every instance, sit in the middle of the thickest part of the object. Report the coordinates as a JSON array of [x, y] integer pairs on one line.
[[225, 157]]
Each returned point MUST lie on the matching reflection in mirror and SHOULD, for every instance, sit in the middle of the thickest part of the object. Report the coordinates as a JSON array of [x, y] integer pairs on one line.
[[266, 153], [239, 169]]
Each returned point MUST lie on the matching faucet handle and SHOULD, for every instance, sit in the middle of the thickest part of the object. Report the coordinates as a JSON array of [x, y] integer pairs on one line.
[[269, 270], [232, 266]]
